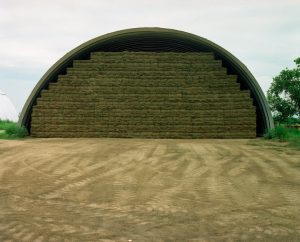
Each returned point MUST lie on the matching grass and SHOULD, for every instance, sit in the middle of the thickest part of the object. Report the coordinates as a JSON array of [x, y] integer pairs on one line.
[[11, 130], [284, 134]]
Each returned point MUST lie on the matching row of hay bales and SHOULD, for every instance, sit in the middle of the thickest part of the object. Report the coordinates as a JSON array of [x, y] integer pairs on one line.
[[145, 95]]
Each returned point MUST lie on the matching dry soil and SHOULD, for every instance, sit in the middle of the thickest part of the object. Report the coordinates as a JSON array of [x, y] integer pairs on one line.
[[148, 190]]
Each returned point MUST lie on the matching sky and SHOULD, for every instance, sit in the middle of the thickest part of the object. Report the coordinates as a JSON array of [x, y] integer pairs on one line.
[[34, 34]]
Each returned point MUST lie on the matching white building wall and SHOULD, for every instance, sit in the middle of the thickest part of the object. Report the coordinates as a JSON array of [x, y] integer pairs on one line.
[[7, 109]]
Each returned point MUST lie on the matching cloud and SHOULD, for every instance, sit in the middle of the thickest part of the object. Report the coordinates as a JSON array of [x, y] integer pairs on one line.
[[265, 82], [34, 34]]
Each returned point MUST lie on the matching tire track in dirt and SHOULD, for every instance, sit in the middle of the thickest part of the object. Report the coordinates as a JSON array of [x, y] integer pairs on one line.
[[131, 189], [92, 173]]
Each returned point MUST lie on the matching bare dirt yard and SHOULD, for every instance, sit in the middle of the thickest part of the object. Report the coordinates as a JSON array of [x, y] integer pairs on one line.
[[148, 190]]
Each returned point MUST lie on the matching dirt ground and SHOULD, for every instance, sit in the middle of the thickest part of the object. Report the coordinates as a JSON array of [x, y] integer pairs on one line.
[[148, 190]]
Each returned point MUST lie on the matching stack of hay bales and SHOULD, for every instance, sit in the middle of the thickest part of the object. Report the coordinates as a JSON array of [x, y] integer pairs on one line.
[[145, 95]]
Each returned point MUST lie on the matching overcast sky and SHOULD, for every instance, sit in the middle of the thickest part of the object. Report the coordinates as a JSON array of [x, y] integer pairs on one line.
[[264, 35]]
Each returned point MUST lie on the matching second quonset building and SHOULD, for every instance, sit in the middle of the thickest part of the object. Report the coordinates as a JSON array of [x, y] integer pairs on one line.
[[147, 83], [7, 109]]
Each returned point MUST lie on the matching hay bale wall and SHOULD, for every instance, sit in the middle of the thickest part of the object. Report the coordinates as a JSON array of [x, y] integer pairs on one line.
[[145, 95]]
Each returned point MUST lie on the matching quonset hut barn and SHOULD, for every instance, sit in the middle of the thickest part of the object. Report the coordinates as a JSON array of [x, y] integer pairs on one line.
[[7, 109], [147, 83]]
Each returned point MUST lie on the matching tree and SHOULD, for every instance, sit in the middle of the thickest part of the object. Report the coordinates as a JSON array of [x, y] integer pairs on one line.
[[284, 93]]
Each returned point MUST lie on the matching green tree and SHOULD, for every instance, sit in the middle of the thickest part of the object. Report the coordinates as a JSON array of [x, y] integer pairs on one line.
[[284, 93]]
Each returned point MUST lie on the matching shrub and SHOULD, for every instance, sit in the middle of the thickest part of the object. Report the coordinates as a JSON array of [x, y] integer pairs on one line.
[[4, 123], [12, 130], [15, 130], [292, 120], [281, 132], [270, 134]]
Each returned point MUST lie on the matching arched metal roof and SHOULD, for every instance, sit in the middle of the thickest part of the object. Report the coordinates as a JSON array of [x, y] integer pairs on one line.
[[161, 40]]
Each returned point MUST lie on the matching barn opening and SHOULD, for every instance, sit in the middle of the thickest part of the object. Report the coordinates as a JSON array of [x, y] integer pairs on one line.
[[147, 83]]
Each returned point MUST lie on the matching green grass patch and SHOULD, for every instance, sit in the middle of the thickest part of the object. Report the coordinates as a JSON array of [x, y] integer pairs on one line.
[[11, 130], [284, 134]]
